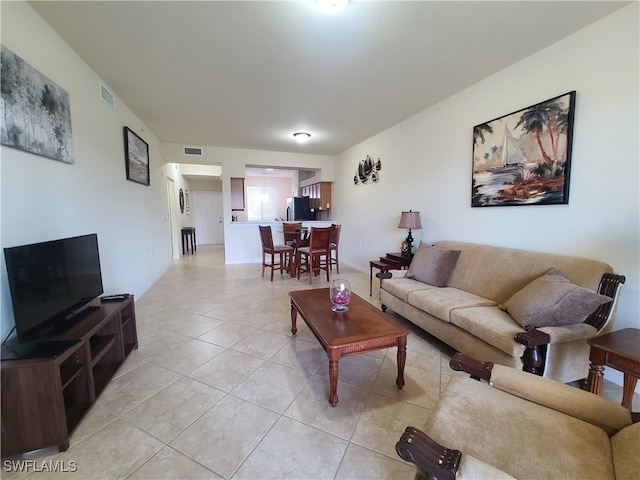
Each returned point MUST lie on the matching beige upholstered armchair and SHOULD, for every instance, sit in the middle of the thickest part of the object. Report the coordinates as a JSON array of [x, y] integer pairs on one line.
[[521, 426]]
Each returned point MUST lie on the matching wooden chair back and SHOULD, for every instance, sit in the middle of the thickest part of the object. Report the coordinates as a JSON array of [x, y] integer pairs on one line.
[[266, 237], [335, 234], [292, 232], [320, 238]]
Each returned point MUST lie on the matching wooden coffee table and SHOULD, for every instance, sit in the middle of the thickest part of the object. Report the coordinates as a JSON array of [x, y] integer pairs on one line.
[[362, 329]]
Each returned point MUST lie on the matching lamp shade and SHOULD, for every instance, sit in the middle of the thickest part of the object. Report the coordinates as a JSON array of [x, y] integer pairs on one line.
[[410, 220]]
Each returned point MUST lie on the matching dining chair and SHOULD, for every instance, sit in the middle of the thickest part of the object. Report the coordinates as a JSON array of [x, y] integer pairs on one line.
[[292, 233], [318, 248], [333, 246], [268, 248]]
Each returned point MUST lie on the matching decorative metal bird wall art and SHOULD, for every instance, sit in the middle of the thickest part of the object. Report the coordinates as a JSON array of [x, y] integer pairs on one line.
[[367, 171]]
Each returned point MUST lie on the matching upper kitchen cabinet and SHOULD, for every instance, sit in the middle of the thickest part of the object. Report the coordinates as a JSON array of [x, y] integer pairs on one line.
[[319, 195], [237, 194]]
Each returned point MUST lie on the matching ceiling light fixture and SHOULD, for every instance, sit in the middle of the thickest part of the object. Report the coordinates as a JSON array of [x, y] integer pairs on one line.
[[331, 6], [301, 137]]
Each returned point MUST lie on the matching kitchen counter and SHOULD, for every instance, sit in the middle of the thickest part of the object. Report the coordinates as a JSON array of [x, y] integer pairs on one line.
[[242, 239]]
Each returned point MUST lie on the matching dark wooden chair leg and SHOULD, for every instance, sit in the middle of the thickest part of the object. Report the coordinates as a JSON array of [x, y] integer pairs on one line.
[[273, 259]]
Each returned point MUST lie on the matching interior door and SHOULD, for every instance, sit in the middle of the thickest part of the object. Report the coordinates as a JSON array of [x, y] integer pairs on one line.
[[208, 217]]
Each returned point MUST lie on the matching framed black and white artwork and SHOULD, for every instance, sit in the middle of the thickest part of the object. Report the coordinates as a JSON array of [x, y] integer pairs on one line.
[[36, 114]]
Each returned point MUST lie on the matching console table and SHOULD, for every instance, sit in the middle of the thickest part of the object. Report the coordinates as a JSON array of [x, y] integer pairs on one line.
[[392, 261], [44, 399]]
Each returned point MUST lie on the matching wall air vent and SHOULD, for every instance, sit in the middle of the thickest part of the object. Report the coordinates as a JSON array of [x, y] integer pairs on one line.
[[193, 151], [107, 96]]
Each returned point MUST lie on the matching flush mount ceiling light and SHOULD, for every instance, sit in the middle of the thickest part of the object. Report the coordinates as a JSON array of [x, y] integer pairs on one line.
[[301, 137], [331, 6]]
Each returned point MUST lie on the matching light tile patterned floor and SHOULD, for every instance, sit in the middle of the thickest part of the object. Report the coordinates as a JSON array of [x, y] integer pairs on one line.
[[220, 388]]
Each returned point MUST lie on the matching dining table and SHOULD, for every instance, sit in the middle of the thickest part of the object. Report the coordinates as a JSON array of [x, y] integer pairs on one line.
[[300, 240]]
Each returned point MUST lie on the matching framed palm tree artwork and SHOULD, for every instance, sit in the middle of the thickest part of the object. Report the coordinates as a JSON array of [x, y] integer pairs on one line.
[[524, 158]]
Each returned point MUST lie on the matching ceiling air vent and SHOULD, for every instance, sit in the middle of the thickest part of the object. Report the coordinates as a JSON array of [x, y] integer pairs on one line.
[[193, 151]]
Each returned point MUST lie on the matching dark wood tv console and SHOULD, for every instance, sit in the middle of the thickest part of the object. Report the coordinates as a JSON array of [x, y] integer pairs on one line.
[[44, 399]]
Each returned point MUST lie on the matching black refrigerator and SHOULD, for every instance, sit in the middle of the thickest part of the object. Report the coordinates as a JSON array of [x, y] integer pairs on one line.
[[299, 208]]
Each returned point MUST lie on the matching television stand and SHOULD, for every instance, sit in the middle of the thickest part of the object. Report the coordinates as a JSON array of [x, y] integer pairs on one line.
[[79, 315], [74, 318], [44, 398], [46, 349]]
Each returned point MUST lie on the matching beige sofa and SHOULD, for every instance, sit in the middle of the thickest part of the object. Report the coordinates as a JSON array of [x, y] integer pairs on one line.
[[520, 426], [467, 315]]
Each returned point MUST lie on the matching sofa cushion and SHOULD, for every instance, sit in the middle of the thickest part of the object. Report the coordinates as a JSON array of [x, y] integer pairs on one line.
[[402, 287], [625, 446], [552, 300], [491, 325], [509, 432], [439, 302], [432, 265]]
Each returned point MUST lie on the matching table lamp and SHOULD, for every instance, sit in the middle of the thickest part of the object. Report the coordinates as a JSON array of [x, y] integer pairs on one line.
[[409, 220]]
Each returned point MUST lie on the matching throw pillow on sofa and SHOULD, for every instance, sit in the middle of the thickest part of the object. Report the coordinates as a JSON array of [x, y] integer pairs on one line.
[[432, 265], [552, 300]]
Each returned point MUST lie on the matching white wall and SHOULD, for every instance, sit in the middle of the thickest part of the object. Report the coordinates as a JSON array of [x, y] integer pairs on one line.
[[43, 199], [426, 163]]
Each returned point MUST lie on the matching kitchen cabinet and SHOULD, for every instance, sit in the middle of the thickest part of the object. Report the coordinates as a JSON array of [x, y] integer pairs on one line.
[[319, 195], [237, 194]]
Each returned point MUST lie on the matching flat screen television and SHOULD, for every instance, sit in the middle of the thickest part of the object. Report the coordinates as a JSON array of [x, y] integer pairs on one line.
[[50, 282]]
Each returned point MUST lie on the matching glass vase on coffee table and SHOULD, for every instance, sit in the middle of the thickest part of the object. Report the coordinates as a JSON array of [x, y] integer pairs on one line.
[[340, 295]]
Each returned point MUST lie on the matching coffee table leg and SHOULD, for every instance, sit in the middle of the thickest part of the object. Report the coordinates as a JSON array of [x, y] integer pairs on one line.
[[294, 316], [334, 356], [402, 359]]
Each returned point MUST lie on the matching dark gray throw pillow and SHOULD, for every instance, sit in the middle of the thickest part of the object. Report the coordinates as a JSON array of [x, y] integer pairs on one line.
[[552, 300], [432, 265]]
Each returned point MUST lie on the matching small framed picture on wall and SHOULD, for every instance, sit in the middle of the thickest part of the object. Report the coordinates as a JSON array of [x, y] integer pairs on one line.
[[136, 157]]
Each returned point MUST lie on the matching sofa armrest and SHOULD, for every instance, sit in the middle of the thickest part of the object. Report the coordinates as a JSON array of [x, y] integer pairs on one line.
[[572, 401], [535, 342], [435, 462], [432, 459], [569, 333], [610, 286], [477, 369], [471, 469], [578, 403], [397, 273]]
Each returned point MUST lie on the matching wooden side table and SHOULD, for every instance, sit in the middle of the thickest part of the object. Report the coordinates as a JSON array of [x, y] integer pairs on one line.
[[392, 261], [619, 350]]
